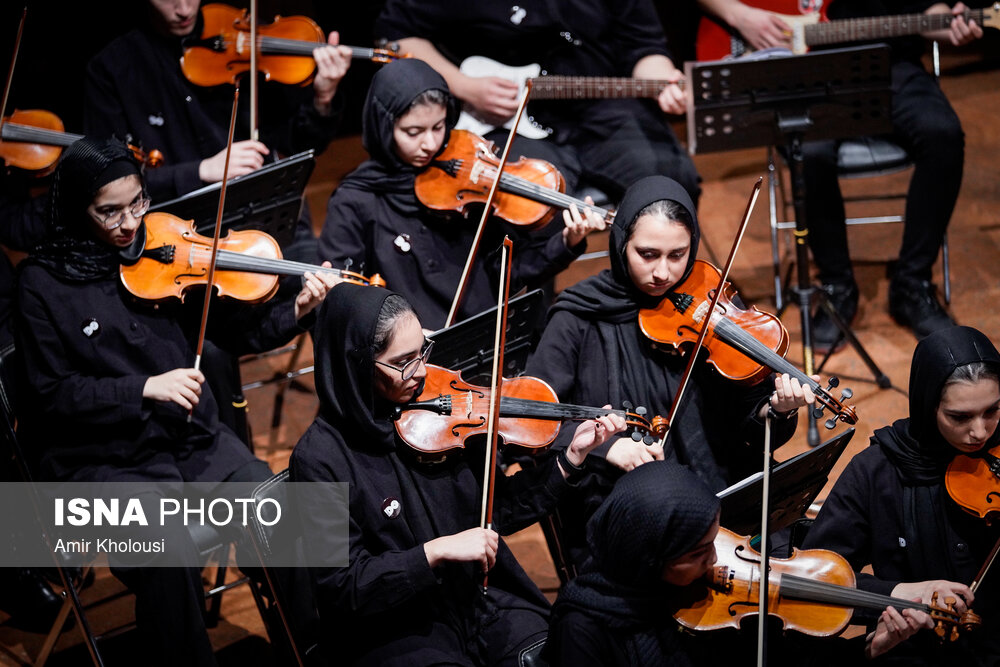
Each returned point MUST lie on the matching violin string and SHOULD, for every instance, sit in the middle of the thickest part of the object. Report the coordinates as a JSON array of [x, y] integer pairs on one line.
[[526, 407], [298, 47], [236, 261], [819, 591], [38, 135]]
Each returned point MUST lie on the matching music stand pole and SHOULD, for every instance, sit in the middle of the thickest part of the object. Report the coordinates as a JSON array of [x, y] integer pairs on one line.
[[793, 128]]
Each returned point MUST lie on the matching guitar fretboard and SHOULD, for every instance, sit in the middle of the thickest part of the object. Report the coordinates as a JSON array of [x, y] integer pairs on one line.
[[594, 87], [878, 27]]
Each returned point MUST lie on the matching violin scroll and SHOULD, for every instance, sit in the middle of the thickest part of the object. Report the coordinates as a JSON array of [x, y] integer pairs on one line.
[[826, 401]]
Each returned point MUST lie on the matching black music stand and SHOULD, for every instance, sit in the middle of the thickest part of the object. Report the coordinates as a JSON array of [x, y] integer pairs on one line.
[[784, 101], [269, 199], [467, 346], [796, 483]]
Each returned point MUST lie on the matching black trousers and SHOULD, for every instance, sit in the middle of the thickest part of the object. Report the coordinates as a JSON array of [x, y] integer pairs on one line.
[[926, 126]]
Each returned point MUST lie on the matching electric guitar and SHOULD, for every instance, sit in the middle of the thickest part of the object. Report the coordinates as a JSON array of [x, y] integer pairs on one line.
[[545, 87], [716, 41]]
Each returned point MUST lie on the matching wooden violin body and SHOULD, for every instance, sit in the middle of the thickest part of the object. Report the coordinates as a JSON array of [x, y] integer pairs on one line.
[[812, 592], [973, 482], [449, 410], [463, 173], [285, 47], [33, 140], [249, 264]]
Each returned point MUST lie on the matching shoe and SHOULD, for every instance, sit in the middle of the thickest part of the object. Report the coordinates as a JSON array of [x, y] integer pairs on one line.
[[914, 304], [27, 597], [826, 335]]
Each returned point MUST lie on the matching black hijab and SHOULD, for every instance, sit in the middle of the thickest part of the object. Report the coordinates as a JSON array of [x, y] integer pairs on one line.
[[920, 453], [611, 296], [70, 249], [393, 90], [656, 513], [345, 363]]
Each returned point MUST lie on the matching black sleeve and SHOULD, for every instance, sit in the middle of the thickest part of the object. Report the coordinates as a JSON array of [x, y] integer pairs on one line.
[[539, 256], [371, 583], [637, 31], [241, 328], [528, 495], [346, 233], [22, 220], [303, 127], [582, 641], [411, 18], [104, 116]]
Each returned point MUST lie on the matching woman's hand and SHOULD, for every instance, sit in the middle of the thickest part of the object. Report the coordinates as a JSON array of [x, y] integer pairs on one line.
[[627, 454], [332, 62], [472, 545], [181, 386], [493, 99], [314, 289], [789, 395], [923, 591], [245, 157], [579, 226], [592, 434], [893, 628]]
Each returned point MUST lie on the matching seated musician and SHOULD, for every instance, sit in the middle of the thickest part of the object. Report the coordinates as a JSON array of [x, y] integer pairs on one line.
[[654, 533], [925, 125], [890, 508], [135, 87], [110, 382], [610, 142], [375, 220], [411, 593], [593, 350]]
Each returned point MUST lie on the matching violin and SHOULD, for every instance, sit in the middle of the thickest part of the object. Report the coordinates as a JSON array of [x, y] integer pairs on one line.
[[462, 174], [222, 53], [743, 345], [449, 410], [33, 140], [812, 592], [249, 263], [973, 482]]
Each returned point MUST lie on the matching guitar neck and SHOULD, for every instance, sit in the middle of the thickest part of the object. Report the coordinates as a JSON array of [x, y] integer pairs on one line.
[[594, 87], [529, 190], [37, 135], [880, 27]]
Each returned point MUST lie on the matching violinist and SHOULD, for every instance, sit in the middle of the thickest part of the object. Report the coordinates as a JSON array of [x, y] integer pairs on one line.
[[412, 591], [110, 385], [135, 87], [375, 220], [593, 350], [653, 534], [610, 142], [889, 508]]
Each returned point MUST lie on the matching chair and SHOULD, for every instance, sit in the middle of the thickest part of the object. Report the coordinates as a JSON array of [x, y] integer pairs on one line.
[[268, 541], [862, 157], [208, 540]]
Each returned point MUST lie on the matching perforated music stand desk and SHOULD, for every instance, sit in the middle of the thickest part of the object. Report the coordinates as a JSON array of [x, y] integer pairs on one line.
[[741, 103], [268, 199], [467, 346], [795, 484]]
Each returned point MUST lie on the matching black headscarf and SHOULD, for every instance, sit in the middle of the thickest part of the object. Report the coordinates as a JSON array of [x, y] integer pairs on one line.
[[611, 296], [70, 248], [393, 90], [656, 513], [917, 449], [345, 363]]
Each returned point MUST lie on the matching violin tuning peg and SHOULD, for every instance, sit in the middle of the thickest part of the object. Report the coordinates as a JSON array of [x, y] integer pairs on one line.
[[817, 412], [648, 440], [846, 394], [636, 436], [627, 405], [347, 264], [834, 381], [641, 411], [830, 423]]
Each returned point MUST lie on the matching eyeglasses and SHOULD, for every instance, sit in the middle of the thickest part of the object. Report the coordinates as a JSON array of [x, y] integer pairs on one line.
[[116, 218], [409, 369]]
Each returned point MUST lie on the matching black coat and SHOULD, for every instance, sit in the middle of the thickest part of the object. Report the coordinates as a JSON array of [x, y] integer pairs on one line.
[[135, 88], [86, 406]]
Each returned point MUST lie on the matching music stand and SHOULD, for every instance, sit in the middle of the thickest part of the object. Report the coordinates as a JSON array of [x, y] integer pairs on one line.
[[467, 346], [796, 481], [784, 101], [268, 199]]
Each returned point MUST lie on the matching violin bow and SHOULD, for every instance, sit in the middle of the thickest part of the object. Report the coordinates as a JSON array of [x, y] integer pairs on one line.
[[463, 282], [215, 238], [13, 61], [492, 430], [253, 73], [986, 567], [723, 277]]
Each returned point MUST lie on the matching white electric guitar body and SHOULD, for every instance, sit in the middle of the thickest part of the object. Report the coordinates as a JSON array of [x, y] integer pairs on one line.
[[481, 66]]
